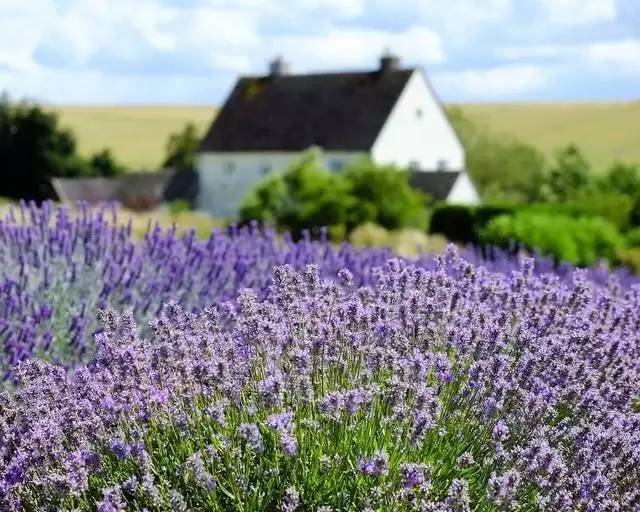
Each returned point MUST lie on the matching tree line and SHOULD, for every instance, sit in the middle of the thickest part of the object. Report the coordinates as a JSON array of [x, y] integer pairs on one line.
[[34, 148]]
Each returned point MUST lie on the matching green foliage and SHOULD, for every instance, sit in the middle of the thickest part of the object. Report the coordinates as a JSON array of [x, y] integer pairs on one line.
[[581, 241], [382, 195], [455, 222], [462, 223], [182, 148], [569, 175], [304, 196], [500, 167], [104, 164], [630, 258], [633, 237], [178, 206], [33, 149], [307, 195], [622, 178], [614, 207]]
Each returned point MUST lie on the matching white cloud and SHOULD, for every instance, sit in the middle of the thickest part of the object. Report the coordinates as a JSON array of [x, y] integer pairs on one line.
[[623, 55], [579, 12], [21, 27], [344, 48], [497, 82], [111, 50]]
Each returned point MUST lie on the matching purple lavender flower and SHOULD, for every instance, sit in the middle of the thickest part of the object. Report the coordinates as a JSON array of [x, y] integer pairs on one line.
[[177, 502], [503, 488], [196, 467], [465, 460], [458, 498], [289, 444], [250, 433], [291, 500], [112, 500], [414, 474], [378, 465]]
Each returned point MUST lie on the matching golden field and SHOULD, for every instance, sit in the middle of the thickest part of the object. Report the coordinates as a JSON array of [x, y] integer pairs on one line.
[[604, 131]]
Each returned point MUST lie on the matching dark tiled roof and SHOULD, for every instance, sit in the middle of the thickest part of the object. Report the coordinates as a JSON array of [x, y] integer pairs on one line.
[[336, 111], [437, 184]]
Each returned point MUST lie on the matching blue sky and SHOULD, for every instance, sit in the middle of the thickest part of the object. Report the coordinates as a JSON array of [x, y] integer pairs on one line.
[[191, 51]]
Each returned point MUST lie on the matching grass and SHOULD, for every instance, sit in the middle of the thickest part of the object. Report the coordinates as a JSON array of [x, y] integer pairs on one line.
[[605, 132]]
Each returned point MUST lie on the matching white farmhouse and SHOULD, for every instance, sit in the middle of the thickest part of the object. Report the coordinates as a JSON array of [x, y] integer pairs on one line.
[[391, 113]]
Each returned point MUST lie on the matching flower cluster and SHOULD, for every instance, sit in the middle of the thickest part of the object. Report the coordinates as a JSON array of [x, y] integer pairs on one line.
[[447, 387], [60, 265]]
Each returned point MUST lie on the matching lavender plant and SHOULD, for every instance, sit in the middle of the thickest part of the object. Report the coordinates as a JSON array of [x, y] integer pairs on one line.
[[454, 388], [57, 267]]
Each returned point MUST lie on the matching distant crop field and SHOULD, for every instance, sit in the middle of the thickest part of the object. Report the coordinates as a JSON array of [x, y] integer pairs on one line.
[[604, 131], [137, 135]]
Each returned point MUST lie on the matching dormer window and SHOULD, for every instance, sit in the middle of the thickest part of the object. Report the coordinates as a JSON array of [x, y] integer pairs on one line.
[[442, 165], [414, 165], [419, 113]]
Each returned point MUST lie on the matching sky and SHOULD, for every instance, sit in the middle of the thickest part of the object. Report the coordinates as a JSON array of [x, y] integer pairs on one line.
[[191, 51]]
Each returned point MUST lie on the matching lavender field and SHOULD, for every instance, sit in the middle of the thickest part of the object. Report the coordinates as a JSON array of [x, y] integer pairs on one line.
[[250, 372]]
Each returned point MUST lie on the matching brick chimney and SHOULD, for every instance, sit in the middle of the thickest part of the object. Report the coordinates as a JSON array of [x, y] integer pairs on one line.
[[389, 62], [278, 67]]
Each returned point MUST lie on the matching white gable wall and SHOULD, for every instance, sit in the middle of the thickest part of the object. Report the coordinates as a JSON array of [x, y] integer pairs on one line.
[[227, 177], [463, 191], [417, 132]]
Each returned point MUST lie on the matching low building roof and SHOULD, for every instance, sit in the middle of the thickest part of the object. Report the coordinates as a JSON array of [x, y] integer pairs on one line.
[[280, 112], [438, 184]]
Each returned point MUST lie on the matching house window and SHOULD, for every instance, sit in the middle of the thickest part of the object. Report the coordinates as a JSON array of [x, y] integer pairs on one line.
[[442, 165], [335, 164], [265, 169], [229, 168], [419, 113]]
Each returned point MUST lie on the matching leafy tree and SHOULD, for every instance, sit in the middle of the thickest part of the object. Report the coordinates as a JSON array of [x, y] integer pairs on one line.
[[623, 178], [569, 175], [382, 195], [182, 148], [499, 167], [104, 164], [33, 149]]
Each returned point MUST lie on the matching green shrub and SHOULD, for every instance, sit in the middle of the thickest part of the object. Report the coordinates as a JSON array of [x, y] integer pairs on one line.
[[304, 196], [581, 241], [484, 213], [455, 222], [615, 208], [307, 195], [382, 195], [633, 237], [178, 206], [630, 258]]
